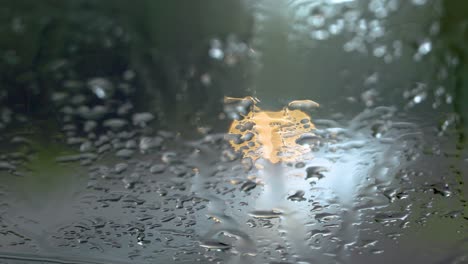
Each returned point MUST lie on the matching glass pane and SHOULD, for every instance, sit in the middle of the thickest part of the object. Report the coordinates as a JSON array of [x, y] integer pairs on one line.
[[219, 131]]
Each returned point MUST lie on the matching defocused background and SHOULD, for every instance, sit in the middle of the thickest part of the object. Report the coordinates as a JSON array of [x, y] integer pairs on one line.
[[184, 57], [112, 115]]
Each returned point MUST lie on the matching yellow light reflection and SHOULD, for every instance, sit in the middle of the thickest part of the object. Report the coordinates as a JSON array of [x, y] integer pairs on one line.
[[271, 135]]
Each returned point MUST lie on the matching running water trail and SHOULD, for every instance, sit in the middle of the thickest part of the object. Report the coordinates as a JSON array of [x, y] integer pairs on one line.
[[273, 202], [224, 224], [274, 187]]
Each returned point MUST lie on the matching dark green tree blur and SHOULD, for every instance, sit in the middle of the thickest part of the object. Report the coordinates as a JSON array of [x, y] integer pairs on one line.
[[45, 43]]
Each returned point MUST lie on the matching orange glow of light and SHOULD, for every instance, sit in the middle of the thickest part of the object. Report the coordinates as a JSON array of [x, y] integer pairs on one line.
[[271, 135]]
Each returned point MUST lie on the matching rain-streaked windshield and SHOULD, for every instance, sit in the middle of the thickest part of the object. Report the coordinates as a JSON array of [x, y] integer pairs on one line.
[[233, 131]]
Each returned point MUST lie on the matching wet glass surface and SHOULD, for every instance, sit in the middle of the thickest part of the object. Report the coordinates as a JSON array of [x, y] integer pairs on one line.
[[122, 140]]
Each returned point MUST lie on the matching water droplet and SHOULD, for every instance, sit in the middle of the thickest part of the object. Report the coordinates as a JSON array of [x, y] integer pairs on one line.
[[120, 167], [425, 47], [214, 245], [157, 168], [115, 123], [124, 153], [298, 196], [169, 157], [419, 2], [101, 87], [266, 214], [302, 105], [6, 166], [315, 172], [168, 218], [248, 186], [147, 143], [141, 119]]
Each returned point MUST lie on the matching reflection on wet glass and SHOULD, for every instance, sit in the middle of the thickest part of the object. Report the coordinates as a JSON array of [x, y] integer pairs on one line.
[[274, 136], [119, 143]]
